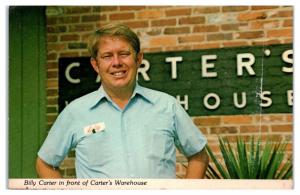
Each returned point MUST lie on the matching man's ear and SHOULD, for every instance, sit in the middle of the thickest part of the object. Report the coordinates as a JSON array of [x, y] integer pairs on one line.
[[139, 58], [94, 64]]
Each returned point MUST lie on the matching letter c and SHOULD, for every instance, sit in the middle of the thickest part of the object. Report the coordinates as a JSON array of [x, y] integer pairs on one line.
[[67, 73]]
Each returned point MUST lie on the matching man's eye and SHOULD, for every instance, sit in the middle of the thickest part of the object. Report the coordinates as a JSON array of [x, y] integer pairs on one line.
[[106, 57], [125, 54]]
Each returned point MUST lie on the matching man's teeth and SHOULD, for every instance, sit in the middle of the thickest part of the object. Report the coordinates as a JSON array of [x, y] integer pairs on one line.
[[118, 73]]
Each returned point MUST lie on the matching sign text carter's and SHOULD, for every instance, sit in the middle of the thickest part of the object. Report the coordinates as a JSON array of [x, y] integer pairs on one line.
[[244, 80]]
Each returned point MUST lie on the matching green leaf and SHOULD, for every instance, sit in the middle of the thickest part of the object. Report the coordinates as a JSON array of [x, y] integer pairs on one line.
[[219, 166]]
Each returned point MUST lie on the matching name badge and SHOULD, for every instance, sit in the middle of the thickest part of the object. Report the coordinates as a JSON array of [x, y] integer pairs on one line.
[[94, 128]]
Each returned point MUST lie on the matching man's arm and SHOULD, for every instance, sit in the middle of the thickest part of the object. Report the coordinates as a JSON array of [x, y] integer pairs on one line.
[[197, 165], [46, 171]]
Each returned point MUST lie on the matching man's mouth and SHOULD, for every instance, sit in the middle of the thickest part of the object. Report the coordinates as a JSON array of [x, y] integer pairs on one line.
[[119, 74]]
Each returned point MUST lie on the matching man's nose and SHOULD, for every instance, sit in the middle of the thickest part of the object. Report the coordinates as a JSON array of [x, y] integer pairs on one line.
[[116, 61]]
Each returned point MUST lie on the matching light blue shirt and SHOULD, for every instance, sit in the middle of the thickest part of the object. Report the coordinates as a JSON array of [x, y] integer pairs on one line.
[[137, 142]]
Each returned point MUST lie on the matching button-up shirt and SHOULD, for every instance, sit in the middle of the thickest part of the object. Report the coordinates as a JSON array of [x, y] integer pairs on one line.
[[138, 141]]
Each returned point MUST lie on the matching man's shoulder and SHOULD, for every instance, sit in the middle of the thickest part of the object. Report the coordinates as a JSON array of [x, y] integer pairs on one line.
[[155, 95], [85, 101]]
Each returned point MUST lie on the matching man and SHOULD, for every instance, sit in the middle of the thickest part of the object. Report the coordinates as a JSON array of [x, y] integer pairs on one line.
[[122, 130]]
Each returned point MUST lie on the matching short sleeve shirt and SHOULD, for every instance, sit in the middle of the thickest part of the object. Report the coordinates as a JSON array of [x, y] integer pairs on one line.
[[138, 141]]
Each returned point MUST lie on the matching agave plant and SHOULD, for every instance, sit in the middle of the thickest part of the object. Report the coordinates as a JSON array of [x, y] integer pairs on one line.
[[257, 161]]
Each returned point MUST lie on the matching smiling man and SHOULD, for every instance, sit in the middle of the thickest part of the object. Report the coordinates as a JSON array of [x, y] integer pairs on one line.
[[122, 130]]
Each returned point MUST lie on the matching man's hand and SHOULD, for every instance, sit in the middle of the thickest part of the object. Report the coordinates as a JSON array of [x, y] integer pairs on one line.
[[197, 165]]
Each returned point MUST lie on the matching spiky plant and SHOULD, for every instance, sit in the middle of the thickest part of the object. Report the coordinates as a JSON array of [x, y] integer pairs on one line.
[[258, 161]]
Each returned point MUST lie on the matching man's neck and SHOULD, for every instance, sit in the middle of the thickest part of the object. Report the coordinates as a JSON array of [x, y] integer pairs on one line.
[[120, 96]]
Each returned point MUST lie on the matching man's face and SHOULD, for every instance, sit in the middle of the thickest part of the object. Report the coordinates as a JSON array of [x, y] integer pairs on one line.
[[116, 63]]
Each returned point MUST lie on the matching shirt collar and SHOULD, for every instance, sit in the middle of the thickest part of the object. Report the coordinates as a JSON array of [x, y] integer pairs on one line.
[[100, 94]]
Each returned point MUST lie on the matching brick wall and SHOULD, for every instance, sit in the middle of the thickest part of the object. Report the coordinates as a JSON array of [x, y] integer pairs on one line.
[[172, 28]]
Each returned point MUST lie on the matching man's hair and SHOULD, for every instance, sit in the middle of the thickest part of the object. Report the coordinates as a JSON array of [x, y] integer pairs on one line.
[[114, 30]]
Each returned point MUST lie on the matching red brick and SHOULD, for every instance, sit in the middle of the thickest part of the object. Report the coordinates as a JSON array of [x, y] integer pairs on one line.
[[52, 92], [178, 12], [77, 9], [149, 14], [154, 32], [206, 10], [266, 42], [207, 46], [68, 19], [234, 8], [192, 20], [282, 128], [252, 16], [81, 27], [176, 30], [52, 74], [259, 24], [70, 37], [288, 23], [191, 38], [263, 7], [69, 54], [253, 129], [223, 130], [137, 24], [52, 109], [52, 84], [105, 9], [206, 28], [207, 121], [163, 41], [235, 43], [282, 14], [233, 27], [52, 65], [153, 49], [289, 118], [250, 35], [56, 29], [56, 46], [288, 41], [163, 22], [91, 18], [238, 119], [52, 100], [51, 38], [121, 16], [219, 36], [51, 56], [131, 8], [179, 48], [51, 20], [269, 118], [280, 33]]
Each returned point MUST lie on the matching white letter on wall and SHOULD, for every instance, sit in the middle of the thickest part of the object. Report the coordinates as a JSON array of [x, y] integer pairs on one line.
[[268, 100], [174, 61], [67, 73], [143, 70], [235, 100], [184, 102], [290, 97], [242, 64], [211, 95], [285, 58], [206, 66]]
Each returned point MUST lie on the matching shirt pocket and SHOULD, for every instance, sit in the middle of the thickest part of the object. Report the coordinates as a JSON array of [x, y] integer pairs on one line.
[[96, 149]]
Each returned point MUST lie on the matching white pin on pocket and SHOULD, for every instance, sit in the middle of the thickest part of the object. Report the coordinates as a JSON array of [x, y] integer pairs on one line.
[[94, 128]]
